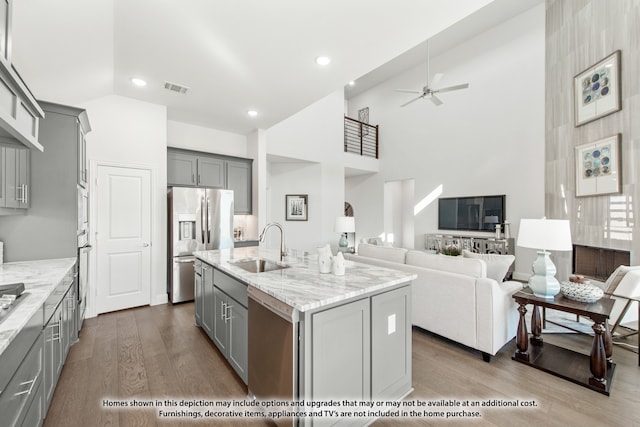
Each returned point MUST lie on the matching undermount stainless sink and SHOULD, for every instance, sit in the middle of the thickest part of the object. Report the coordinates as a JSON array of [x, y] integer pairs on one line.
[[258, 265]]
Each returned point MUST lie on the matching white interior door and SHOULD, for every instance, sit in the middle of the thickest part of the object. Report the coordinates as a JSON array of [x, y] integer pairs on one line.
[[123, 239]]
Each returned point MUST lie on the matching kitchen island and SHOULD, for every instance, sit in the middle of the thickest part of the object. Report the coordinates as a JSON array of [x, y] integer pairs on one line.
[[308, 337]]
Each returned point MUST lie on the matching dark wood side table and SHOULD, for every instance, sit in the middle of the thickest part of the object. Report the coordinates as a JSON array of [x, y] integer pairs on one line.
[[594, 371]]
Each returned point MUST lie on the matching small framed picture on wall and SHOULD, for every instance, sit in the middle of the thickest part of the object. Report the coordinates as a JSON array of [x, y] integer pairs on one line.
[[597, 90], [296, 207], [598, 167]]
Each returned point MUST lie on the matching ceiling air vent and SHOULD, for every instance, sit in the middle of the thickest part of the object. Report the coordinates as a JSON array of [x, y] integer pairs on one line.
[[175, 87]]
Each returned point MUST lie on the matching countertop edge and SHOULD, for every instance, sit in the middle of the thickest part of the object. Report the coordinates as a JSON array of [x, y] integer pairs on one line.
[[274, 283], [38, 285]]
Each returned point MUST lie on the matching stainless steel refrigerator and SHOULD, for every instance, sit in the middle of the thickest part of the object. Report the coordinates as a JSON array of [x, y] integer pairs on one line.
[[199, 219]]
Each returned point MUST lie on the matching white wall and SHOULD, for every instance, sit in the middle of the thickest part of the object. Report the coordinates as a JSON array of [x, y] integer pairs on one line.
[[131, 132], [198, 138], [314, 134], [488, 139]]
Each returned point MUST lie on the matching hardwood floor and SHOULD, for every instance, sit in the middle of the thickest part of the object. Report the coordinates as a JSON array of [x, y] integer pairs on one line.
[[156, 353]]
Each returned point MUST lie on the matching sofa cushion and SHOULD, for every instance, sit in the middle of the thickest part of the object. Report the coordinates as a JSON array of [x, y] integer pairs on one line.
[[497, 265], [451, 264], [382, 252]]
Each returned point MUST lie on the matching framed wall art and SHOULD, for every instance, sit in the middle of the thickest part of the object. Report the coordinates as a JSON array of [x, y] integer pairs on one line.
[[296, 207], [597, 90], [598, 167]]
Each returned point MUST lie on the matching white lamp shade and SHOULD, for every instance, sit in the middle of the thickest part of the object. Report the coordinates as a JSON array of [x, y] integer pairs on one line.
[[545, 234], [345, 224]]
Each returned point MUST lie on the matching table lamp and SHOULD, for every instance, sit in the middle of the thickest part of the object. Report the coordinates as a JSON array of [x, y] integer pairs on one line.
[[544, 234], [344, 225]]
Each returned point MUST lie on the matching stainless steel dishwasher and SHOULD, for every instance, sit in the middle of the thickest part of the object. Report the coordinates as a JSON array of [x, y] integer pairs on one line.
[[273, 349]]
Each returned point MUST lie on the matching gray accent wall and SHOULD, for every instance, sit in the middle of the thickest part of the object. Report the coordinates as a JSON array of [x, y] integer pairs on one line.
[[580, 33]]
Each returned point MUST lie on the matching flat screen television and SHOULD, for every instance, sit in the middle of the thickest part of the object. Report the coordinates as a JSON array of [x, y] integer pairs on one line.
[[477, 213]]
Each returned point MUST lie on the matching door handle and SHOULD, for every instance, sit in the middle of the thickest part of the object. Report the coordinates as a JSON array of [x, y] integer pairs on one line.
[[145, 245]]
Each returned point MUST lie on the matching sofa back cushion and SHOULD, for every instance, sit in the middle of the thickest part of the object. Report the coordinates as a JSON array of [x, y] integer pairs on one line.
[[451, 264], [382, 252], [497, 265]]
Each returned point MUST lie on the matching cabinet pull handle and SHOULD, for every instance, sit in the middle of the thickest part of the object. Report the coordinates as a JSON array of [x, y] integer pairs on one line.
[[31, 384], [193, 178], [26, 194], [223, 311], [228, 316]]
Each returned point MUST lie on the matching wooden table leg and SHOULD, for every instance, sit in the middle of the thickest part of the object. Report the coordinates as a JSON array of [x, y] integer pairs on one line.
[[522, 342], [536, 326], [598, 358], [608, 343]]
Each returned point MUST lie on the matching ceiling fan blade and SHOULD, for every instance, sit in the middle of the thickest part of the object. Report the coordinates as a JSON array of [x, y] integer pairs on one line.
[[409, 91], [413, 100], [435, 99], [436, 78], [451, 88]]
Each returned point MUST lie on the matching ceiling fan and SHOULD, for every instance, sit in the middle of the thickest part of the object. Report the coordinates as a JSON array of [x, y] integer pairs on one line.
[[428, 90]]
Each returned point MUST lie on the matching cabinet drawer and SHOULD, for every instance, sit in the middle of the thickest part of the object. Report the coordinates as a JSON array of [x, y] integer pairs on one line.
[[232, 287], [11, 358], [16, 399]]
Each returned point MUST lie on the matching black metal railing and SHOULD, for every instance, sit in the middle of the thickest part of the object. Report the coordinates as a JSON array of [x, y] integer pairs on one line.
[[360, 138]]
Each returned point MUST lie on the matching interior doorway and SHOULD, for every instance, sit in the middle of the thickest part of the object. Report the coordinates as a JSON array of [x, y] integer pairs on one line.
[[398, 213], [123, 238]]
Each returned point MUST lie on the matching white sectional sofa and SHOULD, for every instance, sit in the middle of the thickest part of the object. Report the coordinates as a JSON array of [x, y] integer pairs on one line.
[[453, 297]]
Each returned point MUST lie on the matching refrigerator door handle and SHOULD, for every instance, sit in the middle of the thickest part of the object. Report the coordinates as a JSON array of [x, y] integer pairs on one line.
[[202, 224], [208, 226]]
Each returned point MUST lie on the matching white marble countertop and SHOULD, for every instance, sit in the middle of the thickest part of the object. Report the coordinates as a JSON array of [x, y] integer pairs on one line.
[[40, 278], [302, 286]]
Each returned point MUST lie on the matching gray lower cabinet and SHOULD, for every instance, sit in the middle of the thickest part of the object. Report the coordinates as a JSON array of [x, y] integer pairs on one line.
[[198, 291], [21, 376], [58, 335], [224, 315], [52, 354], [391, 344], [359, 350], [341, 351], [207, 300], [231, 321]]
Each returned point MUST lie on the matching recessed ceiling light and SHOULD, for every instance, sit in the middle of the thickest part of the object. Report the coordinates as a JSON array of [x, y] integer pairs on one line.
[[351, 83], [138, 82], [323, 60], [252, 113]]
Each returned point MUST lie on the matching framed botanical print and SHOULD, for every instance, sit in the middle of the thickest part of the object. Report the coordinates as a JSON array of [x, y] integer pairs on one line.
[[296, 207], [597, 90], [598, 167]]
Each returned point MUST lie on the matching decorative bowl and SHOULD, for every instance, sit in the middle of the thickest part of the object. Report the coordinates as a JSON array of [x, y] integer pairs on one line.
[[582, 292]]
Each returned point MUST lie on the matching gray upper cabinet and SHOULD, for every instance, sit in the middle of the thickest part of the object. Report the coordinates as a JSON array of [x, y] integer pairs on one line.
[[5, 28], [83, 174], [211, 172], [239, 180], [15, 177], [19, 111], [181, 169], [192, 168]]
